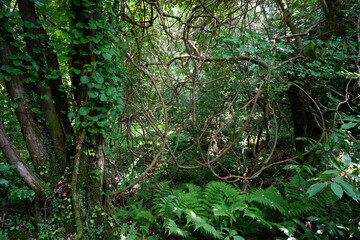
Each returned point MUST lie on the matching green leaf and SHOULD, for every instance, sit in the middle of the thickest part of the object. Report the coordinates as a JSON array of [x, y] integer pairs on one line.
[[4, 182], [346, 159], [348, 125], [238, 238], [99, 79], [357, 178], [14, 105], [315, 188], [76, 71], [6, 167], [349, 189], [45, 97], [84, 79], [103, 97], [290, 166], [336, 188], [330, 172], [110, 91], [83, 111], [107, 56], [101, 124], [92, 94]]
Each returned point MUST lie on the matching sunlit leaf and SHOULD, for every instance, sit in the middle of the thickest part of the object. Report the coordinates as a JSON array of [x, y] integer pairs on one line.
[[346, 159], [315, 188], [348, 125]]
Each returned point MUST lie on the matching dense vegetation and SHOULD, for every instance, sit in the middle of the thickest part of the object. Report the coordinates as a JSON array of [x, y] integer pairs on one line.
[[180, 119]]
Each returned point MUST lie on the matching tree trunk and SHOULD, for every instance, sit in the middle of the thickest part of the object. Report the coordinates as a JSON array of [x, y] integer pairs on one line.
[[88, 178], [304, 122], [37, 45], [16, 90], [13, 158]]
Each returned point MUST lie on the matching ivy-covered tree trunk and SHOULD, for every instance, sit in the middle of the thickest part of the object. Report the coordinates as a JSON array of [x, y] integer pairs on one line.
[[37, 45], [11, 58], [88, 177], [33, 81]]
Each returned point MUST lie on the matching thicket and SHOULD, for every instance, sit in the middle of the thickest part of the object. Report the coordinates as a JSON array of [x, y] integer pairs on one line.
[[179, 119]]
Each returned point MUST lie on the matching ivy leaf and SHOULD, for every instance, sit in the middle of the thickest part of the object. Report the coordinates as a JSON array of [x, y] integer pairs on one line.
[[84, 79], [83, 111], [103, 97], [14, 105], [99, 79], [107, 56], [315, 188], [101, 124], [336, 188], [92, 94], [110, 91]]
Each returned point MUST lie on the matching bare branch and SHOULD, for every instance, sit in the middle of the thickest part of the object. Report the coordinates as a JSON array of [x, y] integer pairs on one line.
[[209, 59]]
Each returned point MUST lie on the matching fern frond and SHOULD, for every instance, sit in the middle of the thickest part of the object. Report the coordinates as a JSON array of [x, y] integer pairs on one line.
[[272, 198], [219, 192], [324, 197], [300, 208], [257, 214], [162, 191], [173, 228], [191, 200], [343, 210], [202, 224], [165, 206]]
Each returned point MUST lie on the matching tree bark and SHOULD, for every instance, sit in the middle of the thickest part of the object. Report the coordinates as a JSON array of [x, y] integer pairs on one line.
[[37, 45], [16, 90], [22, 170]]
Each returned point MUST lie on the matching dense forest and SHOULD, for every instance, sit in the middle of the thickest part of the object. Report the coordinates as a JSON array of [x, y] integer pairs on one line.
[[208, 119]]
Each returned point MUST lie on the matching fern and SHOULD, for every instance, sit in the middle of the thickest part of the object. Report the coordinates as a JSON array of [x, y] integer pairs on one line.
[[202, 224], [300, 208], [163, 190], [257, 214], [220, 207], [324, 197], [173, 228], [191, 200], [272, 198], [219, 192]]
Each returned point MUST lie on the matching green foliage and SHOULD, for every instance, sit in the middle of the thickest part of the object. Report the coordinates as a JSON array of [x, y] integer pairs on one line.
[[143, 219], [189, 80], [218, 209]]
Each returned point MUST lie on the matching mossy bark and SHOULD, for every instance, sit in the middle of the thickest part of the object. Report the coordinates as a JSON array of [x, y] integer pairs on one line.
[[37, 45]]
